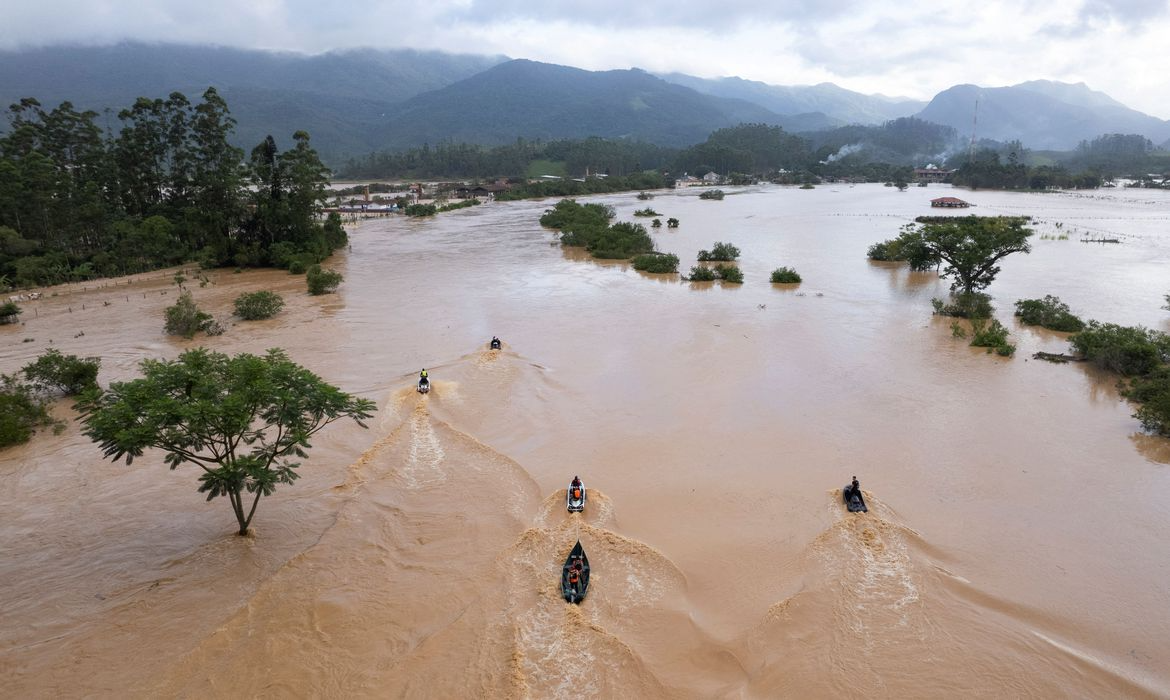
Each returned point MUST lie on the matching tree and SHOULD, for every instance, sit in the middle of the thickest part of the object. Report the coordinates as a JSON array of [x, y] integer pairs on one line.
[[240, 419], [65, 374], [254, 306], [186, 319], [971, 247]]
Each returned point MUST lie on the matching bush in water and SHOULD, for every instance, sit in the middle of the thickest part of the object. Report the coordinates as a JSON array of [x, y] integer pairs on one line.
[[1153, 393], [420, 210], [721, 252], [701, 274], [21, 412], [729, 273], [185, 318], [322, 281], [9, 311], [648, 211], [1049, 312], [785, 275], [656, 262], [65, 374], [254, 306], [1127, 350], [991, 335], [974, 305]]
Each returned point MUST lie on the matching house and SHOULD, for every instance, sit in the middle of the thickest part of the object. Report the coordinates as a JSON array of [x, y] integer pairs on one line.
[[488, 192], [712, 178], [931, 173], [949, 203], [687, 181]]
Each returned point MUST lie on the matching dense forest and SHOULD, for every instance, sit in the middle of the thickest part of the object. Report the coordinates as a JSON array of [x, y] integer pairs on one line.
[[886, 152], [79, 201]]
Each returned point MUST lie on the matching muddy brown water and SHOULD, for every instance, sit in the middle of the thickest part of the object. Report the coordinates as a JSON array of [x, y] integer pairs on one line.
[[1015, 544]]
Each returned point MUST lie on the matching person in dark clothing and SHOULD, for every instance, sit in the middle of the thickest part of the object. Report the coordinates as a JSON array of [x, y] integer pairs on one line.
[[855, 489], [495, 343]]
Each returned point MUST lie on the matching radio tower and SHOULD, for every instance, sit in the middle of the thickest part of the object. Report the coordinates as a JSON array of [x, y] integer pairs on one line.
[[974, 126]]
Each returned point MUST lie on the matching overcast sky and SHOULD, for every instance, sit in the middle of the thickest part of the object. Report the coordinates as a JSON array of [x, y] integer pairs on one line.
[[912, 48]]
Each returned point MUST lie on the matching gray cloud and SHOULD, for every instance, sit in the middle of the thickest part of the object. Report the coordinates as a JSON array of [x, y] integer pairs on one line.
[[703, 16], [915, 48]]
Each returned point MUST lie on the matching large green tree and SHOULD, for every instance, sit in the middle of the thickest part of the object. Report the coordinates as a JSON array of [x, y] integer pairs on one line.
[[972, 246], [240, 419]]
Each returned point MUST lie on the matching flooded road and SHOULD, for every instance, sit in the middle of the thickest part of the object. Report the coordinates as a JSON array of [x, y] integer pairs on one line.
[[1014, 545]]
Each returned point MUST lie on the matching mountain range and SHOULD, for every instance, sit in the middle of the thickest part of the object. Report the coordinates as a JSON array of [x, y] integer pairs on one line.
[[356, 101]]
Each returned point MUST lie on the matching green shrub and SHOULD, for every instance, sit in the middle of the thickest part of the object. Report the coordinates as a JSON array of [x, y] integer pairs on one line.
[[656, 262], [785, 275], [321, 281], [254, 306], [66, 374], [296, 267], [1127, 350], [1152, 392], [568, 212], [623, 240], [645, 195], [991, 335], [722, 252], [909, 246], [701, 274], [657, 223], [9, 310], [729, 273], [1049, 312], [420, 210], [185, 318], [973, 305], [588, 226], [648, 211], [712, 194], [21, 412], [460, 205]]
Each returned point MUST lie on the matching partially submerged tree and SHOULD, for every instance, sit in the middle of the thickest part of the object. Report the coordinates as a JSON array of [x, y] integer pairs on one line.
[[186, 319], [972, 246], [240, 419], [53, 372]]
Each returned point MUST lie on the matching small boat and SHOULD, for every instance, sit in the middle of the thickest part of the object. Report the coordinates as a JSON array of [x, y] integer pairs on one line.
[[424, 386], [575, 497], [854, 501], [574, 591]]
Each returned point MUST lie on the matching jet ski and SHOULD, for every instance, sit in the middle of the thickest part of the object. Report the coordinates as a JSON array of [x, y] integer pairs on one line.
[[855, 502], [424, 386], [574, 592], [495, 344], [575, 497]]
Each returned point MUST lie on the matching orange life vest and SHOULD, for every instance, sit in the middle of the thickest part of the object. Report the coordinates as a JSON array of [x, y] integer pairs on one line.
[[576, 493], [572, 576]]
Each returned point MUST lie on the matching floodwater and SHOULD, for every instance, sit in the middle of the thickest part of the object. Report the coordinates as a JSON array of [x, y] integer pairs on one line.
[[1015, 544]]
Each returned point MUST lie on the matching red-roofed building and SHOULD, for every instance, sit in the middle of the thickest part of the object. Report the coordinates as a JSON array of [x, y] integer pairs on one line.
[[949, 203]]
